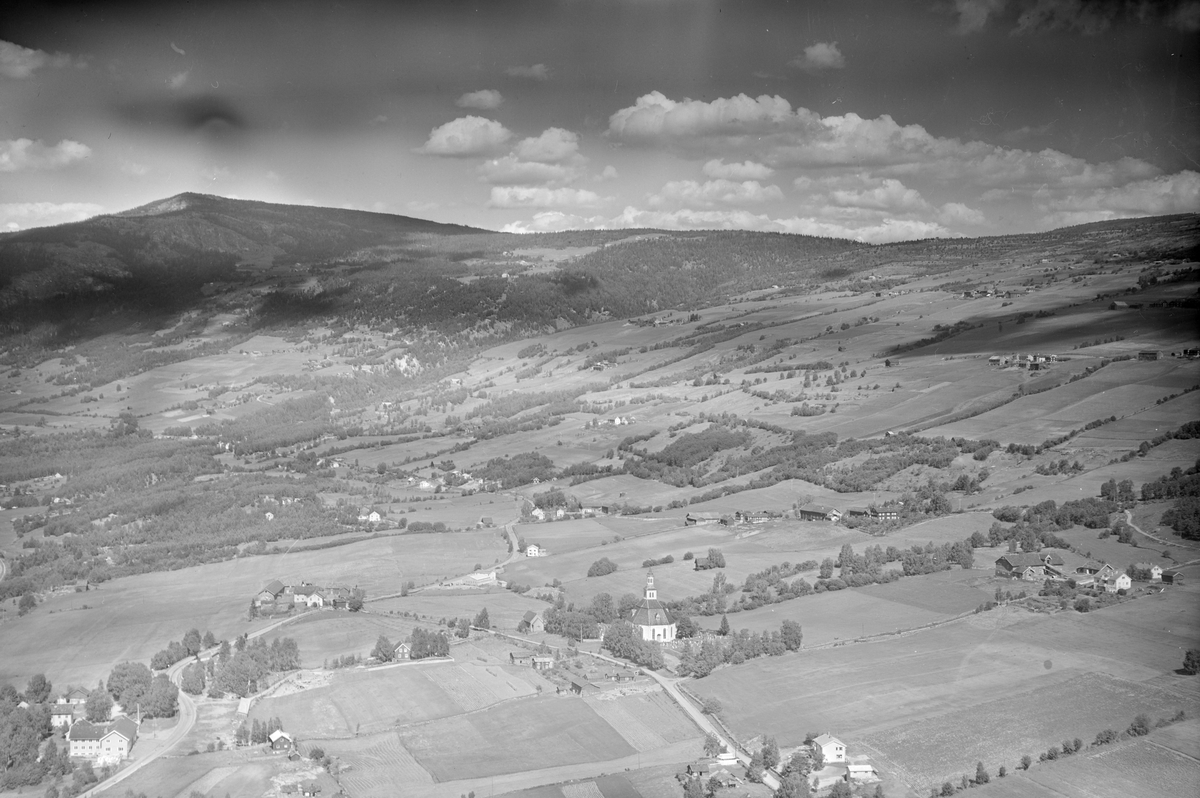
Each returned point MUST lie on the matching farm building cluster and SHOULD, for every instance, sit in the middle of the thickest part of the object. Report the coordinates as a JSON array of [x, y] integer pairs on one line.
[[278, 597], [825, 754], [1032, 362], [1040, 566]]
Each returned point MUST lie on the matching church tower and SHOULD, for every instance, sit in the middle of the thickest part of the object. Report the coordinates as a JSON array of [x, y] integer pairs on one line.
[[651, 616]]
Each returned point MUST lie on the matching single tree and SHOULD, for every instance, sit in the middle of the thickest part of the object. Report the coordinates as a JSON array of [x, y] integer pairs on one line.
[[482, 621], [1026, 761], [754, 771], [384, 650], [947, 788], [792, 786], [209, 640], [192, 681], [27, 603], [723, 629], [99, 705], [1140, 726], [1191, 661], [193, 643], [38, 689], [712, 744], [162, 699], [770, 752], [693, 788], [792, 635], [316, 753], [1002, 772], [981, 774]]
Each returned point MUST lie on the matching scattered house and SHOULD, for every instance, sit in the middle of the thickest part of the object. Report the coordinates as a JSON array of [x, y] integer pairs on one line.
[[534, 550], [858, 512], [485, 521], [370, 516], [403, 651], [268, 594], [308, 595], [1118, 582], [62, 716], [577, 686], [543, 663], [695, 519], [623, 675], [281, 740], [76, 695], [310, 788], [480, 578], [531, 623], [701, 564], [752, 517], [818, 512], [520, 659], [1029, 566], [994, 360], [1098, 571], [538, 513], [1155, 571], [1149, 354], [1172, 577], [887, 515], [831, 748], [102, 742]]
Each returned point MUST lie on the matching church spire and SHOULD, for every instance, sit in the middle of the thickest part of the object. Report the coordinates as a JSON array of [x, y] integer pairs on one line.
[[651, 593]]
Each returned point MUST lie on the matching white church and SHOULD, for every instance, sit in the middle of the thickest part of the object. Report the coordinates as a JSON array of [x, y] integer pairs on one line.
[[652, 616]]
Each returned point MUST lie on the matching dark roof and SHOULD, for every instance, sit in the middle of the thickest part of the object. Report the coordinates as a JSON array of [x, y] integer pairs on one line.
[[651, 612], [124, 727], [1022, 560], [274, 587], [85, 730], [818, 508], [529, 616]]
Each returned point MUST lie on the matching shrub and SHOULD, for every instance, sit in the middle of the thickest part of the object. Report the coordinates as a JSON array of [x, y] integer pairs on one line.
[[601, 567]]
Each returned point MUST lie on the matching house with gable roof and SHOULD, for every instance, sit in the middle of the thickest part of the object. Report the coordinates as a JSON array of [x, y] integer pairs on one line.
[[1029, 566], [532, 623], [269, 593], [832, 749], [102, 742]]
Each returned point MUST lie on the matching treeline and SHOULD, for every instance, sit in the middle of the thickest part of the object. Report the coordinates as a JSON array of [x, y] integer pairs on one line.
[[734, 649]]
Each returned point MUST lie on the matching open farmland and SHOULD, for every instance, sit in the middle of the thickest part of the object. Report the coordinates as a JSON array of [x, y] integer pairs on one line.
[[368, 701], [324, 636], [512, 738], [133, 617]]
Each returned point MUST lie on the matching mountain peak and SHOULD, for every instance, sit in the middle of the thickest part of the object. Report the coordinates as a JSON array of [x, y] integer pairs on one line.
[[178, 202]]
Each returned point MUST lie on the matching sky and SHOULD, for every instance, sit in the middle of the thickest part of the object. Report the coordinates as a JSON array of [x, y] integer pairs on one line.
[[876, 121]]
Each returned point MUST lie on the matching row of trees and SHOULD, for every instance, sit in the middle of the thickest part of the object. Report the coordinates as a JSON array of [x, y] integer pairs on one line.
[[735, 649]]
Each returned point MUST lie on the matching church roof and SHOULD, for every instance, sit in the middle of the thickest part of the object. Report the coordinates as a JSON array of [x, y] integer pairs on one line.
[[651, 612]]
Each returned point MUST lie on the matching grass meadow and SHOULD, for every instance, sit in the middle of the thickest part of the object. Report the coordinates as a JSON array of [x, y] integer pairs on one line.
[[525, 735], [133, 617]]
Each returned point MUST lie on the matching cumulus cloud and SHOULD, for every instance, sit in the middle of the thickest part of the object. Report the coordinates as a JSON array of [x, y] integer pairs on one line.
[[466, 136], [819, 56], [956, 214], [1177, 193], [608, 173], [18, 154], [539, 72], [731, 219], [21, 62], [22, 215], [747, 170], [888, 195], [511, 170], [713, 192], [542, 197], [485, 100], [554, 145]]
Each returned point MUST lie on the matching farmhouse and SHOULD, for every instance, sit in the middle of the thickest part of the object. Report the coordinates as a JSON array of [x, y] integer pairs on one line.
[[76, 695], [651, 615], [403, 651], [1118, 582], [1028, 565], [695, 519], [861, 772], [818, 512], [1149, 354], [831, 748], [102, 742], [531, 623], [1098, 571], [534, 550], [522, 658], [752, 516], [62, 716], [543, 663], [1154, 571], [1172, 577], [281, 740]]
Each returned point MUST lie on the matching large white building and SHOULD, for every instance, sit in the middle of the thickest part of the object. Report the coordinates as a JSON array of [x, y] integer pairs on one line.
[[652, 616]]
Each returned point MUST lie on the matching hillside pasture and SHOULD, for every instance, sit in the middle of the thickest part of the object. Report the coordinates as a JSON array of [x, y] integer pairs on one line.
[[1139, 767], [377, 763], [525, 735], [214, 773], [133, 617], [1128, 433], [561, 537]]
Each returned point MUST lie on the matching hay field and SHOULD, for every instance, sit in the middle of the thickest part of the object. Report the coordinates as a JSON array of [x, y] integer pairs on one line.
[[1139, 767], [999, 732], [857, 612], [1128, 433], [525, 735], [954, 667], [378, 762], [133, 617], [504, 607], [321, 636], [561, 537], [368, 701], [213, 774]]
